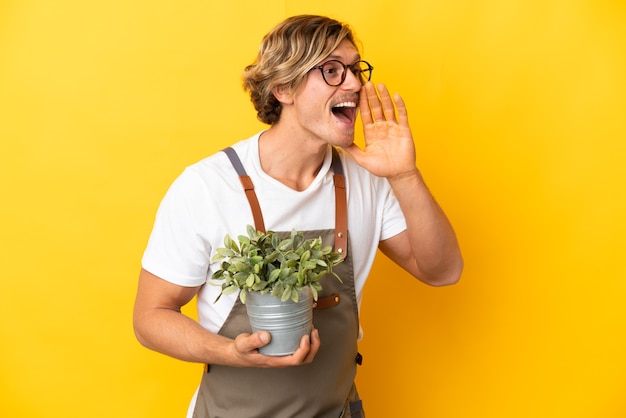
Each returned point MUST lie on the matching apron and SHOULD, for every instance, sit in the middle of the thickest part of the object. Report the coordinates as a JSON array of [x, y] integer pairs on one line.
[[322, 389]]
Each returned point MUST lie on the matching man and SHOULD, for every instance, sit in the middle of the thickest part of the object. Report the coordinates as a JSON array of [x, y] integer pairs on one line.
[[307, 83]]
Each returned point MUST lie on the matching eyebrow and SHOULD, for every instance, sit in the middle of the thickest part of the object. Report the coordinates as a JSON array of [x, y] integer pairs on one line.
[[338, 58]]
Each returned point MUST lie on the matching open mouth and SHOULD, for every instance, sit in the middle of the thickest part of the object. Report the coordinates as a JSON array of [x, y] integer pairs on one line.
[[345, 111]]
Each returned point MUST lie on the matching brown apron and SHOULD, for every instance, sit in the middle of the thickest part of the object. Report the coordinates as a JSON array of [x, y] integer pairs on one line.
[[322, 389]]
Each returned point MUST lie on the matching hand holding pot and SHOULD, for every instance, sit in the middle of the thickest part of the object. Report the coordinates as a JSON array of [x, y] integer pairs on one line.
[[245, 348]]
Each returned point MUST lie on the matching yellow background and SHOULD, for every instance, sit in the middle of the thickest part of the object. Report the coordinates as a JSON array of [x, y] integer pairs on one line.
[[519, 113]]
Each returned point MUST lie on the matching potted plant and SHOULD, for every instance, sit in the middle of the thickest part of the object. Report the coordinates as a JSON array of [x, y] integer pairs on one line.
[[277, 278]]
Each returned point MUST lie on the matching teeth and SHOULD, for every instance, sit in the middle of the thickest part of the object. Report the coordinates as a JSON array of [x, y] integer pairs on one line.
[[346, 104]]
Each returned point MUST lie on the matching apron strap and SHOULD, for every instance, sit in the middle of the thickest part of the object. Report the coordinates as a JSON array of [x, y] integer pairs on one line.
[[341, 205], [248, 187]]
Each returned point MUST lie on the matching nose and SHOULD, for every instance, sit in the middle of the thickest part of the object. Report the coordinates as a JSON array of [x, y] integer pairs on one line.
[[352, 82]]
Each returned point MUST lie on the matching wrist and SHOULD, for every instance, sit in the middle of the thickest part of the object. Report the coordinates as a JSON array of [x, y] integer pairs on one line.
[[406, 177]]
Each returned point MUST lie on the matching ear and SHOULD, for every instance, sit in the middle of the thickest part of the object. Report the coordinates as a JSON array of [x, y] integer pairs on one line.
[[283, 94]]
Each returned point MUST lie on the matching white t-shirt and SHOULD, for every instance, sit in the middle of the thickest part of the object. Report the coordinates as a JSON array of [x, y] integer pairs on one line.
[[207, 201]]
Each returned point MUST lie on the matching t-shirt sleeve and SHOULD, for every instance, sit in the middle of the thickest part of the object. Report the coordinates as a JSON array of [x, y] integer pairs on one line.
[[176, 251], [393, 218]]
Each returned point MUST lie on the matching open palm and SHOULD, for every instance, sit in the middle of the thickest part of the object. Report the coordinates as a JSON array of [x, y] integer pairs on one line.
[[389, 149]]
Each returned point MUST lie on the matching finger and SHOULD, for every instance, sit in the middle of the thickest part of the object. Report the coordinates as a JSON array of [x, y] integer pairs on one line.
[[315, 346], [364, 107], [387, 104], [374, 103], [403, 117], [301, 353]]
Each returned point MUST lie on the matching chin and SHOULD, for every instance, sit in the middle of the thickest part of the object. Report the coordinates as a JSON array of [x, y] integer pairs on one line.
[[349, 138], [347, 134], [344, 143]]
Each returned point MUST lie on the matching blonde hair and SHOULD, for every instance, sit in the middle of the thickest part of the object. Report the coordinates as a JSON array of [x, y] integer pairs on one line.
[[287, 53]]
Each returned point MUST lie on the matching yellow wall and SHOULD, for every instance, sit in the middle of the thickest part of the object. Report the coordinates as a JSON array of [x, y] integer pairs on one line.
[[519, 113]]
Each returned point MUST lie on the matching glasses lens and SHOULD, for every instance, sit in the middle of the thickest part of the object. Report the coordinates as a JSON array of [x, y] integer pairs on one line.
[[333, 72], [363, 71]]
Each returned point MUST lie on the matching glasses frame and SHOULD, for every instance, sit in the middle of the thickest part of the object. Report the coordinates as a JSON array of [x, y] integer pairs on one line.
[[345, 71]]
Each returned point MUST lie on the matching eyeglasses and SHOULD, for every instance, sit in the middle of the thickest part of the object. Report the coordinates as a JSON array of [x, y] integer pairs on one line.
[[334, 71]]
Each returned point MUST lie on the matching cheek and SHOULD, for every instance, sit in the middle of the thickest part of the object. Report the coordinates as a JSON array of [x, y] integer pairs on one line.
[[311, 108], [313, 93]]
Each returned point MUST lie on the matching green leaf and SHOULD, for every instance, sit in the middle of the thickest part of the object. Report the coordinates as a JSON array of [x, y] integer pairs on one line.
[[336, 276], [250, 280], [243, 240], [229, 290], [285, 245], [296, 238], [260, 285], [292, 256], [228, 280], [292, 279], [222, 253], [275, 241], [240, 266], [286, 294], [284, 273], [278, 289], [274, 275], [256, 259], [309, 265], [228, 241], [273, 256]]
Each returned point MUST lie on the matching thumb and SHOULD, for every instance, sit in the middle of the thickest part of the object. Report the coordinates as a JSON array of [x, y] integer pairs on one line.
[[246, 343], [264, 338]]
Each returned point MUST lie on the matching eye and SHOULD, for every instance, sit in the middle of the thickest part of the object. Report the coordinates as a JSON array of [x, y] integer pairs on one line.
[[362, 70], [358, 67], [332, 68]]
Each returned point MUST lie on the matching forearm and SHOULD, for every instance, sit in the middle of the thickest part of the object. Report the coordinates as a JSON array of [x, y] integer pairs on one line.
[[160, 325], [174, 334], [432, 239]]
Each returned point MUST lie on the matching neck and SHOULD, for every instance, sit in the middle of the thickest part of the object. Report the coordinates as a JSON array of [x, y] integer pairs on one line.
[[293, 162]]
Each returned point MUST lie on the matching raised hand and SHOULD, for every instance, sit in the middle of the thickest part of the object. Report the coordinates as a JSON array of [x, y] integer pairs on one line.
[[389, 149]]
